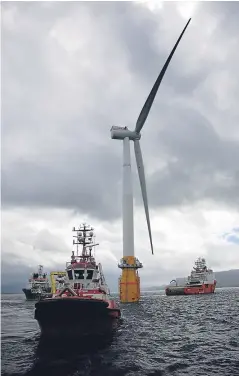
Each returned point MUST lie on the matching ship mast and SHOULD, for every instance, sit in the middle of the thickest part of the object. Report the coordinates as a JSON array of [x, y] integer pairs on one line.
[[84, 237], [40, 268]]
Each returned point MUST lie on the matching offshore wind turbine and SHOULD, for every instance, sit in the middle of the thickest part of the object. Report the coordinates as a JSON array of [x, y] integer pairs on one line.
[[129, 283]]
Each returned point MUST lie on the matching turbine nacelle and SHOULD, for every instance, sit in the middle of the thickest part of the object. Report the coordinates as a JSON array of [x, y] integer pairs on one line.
[[119, 133]]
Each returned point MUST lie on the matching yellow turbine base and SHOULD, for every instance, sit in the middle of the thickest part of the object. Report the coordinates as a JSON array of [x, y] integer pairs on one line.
[[129, 283]]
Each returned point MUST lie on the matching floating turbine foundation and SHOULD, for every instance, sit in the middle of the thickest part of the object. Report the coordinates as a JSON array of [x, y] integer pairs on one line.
[[129, 282]]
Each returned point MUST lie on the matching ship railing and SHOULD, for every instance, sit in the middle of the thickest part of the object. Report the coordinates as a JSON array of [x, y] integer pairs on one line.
[[38, 279], [136, 265], [89, 263]]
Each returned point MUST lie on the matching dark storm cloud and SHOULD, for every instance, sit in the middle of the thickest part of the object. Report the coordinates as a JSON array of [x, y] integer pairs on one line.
[[56, 140], [15, 274], [91, 186], [205, 166]]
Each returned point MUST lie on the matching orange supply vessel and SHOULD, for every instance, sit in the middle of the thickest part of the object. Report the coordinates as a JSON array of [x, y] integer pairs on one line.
[[201, 281]]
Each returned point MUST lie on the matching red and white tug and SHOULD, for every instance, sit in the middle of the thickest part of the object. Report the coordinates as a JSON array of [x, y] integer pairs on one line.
[[82, 304]]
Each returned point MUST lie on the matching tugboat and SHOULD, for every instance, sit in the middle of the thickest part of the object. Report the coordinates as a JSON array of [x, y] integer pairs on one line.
[[83, 305], [200, 281], [38, 285]]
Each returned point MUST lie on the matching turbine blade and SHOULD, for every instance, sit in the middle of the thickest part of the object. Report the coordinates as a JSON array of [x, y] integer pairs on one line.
[[147, 106], [140, 165]]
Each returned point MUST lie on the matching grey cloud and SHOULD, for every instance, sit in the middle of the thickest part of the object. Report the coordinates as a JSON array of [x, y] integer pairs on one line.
[[15, 274], [205, 166], [57, 150], [227, 14], [92, 186], [46, 241]]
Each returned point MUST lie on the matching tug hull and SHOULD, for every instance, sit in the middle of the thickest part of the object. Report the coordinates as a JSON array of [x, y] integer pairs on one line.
[[76, 317], [97, 329]]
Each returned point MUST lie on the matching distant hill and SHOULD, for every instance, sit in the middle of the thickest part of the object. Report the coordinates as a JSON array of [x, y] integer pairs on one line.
[[227, 278]]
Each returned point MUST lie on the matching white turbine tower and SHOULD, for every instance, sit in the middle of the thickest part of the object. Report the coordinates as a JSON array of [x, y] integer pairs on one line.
[[129, 281]]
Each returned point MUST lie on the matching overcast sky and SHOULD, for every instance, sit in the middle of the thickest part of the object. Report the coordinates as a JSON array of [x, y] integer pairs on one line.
[[72, 70]]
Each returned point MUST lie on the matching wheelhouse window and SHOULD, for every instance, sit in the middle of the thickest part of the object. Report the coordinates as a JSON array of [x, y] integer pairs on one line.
[[79, 274], [70, 276], [89, 274]]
